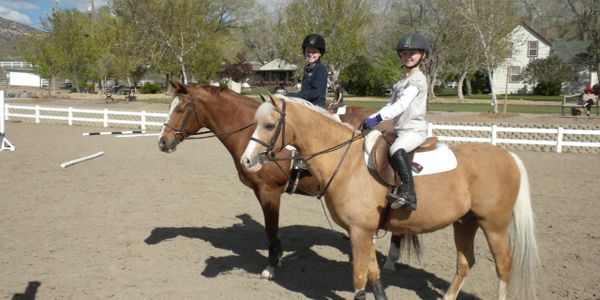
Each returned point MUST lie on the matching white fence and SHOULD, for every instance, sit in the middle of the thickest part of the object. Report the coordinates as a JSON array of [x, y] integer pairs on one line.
[[15, 64], [73, 116], [540, 135], [554, 137]]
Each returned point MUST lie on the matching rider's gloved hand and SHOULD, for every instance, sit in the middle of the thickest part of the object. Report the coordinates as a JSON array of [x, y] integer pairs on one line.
[[369, 123]]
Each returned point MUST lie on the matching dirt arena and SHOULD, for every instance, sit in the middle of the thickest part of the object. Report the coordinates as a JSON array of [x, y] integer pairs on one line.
[[140, 224]]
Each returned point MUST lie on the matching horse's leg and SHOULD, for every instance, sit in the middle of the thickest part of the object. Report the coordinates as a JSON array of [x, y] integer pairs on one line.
[[362, 247], [497, 237], [464, 238], [270, 200], [393, 254], [374, 277]]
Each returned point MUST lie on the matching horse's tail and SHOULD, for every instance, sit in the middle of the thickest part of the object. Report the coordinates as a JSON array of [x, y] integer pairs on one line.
[[522, 241]]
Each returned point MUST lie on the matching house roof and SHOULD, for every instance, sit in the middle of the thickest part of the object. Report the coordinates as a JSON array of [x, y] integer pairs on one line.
[[535, 33], [278, 64]]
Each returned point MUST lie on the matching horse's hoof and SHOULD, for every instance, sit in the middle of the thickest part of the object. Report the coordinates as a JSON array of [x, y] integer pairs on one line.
[[268, 273]]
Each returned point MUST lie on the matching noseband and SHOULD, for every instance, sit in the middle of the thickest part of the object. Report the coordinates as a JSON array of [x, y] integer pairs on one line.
[[269, 153], [188, 109]]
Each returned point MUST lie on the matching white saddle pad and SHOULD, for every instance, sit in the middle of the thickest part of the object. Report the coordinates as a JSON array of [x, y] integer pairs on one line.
[[341, 110], [442, 159]]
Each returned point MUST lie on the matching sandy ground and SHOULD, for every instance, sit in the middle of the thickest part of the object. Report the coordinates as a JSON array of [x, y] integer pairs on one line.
[[140, 224]]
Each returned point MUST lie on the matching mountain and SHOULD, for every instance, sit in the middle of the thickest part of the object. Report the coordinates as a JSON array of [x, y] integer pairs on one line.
[[11, 33]]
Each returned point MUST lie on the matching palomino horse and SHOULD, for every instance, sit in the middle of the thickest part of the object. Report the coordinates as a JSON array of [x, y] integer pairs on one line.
[[230, 117], [489, 183]]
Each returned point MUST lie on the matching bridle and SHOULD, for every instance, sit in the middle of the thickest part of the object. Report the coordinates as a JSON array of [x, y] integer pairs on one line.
[[188, 109], [188, 113], [269, 153]]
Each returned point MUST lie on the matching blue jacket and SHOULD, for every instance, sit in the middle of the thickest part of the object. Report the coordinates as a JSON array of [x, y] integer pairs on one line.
[[314, 84]]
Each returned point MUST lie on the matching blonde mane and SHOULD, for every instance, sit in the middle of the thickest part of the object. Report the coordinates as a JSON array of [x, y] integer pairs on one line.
[[264, 108]]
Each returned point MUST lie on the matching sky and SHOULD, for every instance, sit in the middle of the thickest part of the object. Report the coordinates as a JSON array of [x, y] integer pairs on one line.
[[30, 12]]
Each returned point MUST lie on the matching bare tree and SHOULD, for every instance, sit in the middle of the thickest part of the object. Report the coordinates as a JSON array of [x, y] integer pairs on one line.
[[492, 22]]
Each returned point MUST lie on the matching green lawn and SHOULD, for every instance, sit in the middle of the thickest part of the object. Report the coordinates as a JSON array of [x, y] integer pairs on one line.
[[481, 106], [471, 107]]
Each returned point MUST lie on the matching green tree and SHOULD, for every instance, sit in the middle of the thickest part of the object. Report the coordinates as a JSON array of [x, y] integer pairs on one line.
[[65, 49], [547, 74], [192, 35], [340, 22]]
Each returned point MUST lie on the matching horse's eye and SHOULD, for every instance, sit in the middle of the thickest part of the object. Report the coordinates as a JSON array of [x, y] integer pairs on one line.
[[269, 126]]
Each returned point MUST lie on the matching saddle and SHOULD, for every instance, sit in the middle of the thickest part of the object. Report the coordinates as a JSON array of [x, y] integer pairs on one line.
[[380, 157]]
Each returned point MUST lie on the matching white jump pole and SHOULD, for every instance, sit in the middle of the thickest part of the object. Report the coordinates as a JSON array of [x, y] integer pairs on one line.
[[76, 161], [4, 142]]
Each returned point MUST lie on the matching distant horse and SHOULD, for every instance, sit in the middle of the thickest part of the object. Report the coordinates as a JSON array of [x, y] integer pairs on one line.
[[230, 117], [489, 183]]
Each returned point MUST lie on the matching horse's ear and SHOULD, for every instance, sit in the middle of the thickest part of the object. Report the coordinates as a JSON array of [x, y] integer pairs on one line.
[[262, 97], [178, 87], [272, 100]]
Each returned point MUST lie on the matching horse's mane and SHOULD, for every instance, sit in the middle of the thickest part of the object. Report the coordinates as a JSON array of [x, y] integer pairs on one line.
[[264, 108]]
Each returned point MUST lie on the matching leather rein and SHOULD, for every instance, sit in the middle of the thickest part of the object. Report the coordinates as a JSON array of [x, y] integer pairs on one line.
[[269, 153], [188, 110]]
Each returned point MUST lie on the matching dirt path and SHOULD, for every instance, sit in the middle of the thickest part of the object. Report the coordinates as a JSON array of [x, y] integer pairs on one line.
[[140, 224]]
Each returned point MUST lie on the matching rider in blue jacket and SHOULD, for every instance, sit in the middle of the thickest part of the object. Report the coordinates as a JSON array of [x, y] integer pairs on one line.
[[314, 80]]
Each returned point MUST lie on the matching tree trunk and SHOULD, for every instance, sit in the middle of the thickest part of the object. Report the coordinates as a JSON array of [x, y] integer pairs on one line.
[[459, 87], [493, 103]]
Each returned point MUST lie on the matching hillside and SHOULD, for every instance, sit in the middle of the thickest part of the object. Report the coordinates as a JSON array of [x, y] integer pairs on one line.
[[11, 33]]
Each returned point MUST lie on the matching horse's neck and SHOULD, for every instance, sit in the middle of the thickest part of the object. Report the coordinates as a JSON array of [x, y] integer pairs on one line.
[[314, 133], [228, 114]]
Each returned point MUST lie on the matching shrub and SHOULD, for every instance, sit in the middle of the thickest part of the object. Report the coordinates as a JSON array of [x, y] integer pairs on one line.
[[151, 88]]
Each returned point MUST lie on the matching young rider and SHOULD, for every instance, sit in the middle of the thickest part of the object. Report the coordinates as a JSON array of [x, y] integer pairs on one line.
[[407, 106], [314, 80]]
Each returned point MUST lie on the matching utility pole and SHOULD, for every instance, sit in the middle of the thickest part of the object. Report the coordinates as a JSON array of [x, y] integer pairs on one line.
[[91, 11]]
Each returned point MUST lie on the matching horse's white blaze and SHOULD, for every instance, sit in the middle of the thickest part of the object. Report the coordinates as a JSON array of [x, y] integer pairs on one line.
[[250, 159], [174, 104]]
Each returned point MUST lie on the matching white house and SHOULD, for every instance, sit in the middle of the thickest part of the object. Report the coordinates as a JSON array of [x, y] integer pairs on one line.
[[527, 45]]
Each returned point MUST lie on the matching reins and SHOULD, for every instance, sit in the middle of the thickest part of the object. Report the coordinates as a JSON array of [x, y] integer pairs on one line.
[[280, 129], [193, 136]]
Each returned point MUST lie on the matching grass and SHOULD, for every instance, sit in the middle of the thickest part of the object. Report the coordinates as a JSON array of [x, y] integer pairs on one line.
[[472, 107], [479, 106]]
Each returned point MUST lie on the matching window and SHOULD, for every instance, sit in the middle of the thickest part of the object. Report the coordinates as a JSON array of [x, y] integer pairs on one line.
[[515, 74], [532, 49]]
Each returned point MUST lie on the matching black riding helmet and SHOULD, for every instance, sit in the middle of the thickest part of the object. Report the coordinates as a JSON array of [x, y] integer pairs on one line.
[[315, 41], [413, 41]]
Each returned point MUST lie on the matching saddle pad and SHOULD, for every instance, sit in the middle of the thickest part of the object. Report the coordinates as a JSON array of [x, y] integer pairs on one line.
[[442, 159]]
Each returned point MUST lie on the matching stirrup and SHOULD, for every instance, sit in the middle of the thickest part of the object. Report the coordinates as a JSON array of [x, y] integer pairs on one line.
[[397, 201]]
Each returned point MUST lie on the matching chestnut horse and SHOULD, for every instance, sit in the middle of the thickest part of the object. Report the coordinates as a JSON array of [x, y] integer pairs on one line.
[[230, 117], [489, 183]]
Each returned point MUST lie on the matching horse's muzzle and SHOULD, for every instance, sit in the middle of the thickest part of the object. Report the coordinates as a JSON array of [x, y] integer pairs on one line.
[[165, 146]]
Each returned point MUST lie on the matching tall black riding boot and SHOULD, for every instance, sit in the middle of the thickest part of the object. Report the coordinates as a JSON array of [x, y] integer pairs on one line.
[[405, 196]]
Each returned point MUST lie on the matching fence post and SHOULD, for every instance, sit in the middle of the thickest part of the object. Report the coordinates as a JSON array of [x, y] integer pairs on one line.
[[429, 130], [559, 139], [70, 116], [494, 133], [106, 117], [37, 114], [143, 120]]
